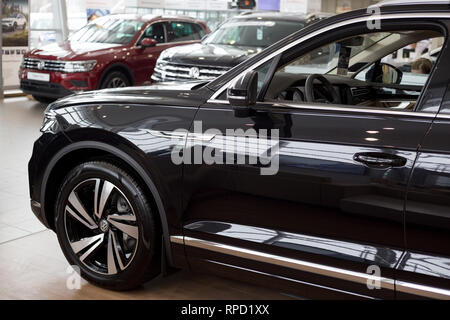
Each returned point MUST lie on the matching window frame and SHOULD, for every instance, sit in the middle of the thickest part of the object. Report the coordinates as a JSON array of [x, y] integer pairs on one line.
[[301, 51], [394, 22], [169, 22], [141, 37]]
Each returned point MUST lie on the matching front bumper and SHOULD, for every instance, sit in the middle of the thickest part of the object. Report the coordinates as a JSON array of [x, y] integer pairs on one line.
[[46, 89], [60, 84]]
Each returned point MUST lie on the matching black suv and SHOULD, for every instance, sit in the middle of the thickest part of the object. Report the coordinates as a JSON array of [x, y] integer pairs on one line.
[[234, 41], [314, 166]]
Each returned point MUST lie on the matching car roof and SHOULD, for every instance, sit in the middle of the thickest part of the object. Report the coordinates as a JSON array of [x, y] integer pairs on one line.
[[284, 16], [387, 3], [147, 17]]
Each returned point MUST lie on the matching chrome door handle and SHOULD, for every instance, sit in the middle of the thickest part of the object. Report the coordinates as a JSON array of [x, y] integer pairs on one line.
[[379, 159]]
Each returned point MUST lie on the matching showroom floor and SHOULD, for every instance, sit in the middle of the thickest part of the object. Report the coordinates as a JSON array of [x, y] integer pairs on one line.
[[31, 263]]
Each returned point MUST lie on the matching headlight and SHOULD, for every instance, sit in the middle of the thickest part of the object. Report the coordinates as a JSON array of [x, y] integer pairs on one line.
[[79, 66], [166, 54]]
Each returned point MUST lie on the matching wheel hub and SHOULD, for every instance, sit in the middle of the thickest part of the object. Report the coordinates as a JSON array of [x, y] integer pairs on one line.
[[103, 225]]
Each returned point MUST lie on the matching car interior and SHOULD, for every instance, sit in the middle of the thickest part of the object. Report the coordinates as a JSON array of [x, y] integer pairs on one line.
[[363, 70]]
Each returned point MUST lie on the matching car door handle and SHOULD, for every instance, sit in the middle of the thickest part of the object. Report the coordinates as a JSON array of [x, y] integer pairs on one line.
[[379, 159]]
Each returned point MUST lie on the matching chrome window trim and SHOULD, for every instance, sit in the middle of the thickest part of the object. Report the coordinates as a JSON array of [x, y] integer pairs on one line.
[[301, 265], [340, 109], [326, 29]]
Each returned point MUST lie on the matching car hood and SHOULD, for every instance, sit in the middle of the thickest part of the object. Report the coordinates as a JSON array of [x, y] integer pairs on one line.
[[214, 55], [7, 20], [70, 50], [172, 93]]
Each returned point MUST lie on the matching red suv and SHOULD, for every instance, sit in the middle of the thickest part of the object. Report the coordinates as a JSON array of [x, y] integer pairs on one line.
[[112, 51]]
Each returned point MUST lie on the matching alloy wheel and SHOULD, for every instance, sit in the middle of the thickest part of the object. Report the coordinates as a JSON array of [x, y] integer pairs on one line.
[[116, 82], [101, 226]]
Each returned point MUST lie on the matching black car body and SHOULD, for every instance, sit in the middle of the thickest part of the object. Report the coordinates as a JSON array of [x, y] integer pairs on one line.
[[233, 42], [359, 207]]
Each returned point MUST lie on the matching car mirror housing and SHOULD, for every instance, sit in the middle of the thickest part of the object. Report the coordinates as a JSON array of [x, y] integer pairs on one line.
[[242, 94], [147, 43]]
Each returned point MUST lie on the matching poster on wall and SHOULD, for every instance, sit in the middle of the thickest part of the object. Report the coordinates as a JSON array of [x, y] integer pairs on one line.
[[15, 21], [97, 8], [343, 6]]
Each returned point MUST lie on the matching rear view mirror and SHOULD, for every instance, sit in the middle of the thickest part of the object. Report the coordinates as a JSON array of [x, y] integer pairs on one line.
[[242, 94], [352, 42]]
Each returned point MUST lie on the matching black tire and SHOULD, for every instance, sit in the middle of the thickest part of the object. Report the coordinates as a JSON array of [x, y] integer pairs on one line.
[[24, 26], [145, 263], [43, 99], [115, 79]]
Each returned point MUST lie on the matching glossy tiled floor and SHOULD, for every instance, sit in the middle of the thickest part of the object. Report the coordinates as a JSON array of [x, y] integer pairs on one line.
[[31, 263]]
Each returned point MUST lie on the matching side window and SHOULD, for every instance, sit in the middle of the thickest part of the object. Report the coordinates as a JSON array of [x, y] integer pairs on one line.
[[199, 32], [182, 31], [415, 62], [262, 71], [155, 31], [384, 83]]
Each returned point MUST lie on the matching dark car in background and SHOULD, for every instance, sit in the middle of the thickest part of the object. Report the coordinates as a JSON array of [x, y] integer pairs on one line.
[[110, 52], [234, 41]]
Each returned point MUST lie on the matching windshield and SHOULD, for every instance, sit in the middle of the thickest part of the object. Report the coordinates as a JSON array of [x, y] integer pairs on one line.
[[252, 33], [108, 30], [12, 15]]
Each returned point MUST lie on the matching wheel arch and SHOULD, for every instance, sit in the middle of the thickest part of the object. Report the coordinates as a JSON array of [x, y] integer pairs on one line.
[[117, 66], [89, 150]]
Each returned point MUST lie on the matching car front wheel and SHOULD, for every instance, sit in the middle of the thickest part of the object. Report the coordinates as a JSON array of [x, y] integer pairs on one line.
[[115, 79], [106, 226]]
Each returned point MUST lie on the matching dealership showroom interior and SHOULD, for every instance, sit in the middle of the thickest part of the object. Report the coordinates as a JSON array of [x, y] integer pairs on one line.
[[224, 150]]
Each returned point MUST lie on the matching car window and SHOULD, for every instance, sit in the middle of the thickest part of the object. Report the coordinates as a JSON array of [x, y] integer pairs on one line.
[[415, 60], [155, 31], [262, 71], [253, 33], [108, 30], [182, 31], [383, 84]]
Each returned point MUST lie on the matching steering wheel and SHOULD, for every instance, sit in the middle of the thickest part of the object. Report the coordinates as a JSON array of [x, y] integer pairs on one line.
[[291, 94], [309, 89]]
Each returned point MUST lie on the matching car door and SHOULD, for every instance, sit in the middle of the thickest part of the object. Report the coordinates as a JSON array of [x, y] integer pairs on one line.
[[143, 60], [424, 270], [331, 215]]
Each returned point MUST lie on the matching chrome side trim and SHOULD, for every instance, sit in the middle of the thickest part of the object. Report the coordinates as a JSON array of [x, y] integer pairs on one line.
[[330, 28], [339, 109], [421, 290], [339, 273], [300, 265]]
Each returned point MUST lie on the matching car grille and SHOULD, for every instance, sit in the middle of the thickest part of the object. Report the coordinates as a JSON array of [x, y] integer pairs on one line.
[[48, 65], [175, 72]]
